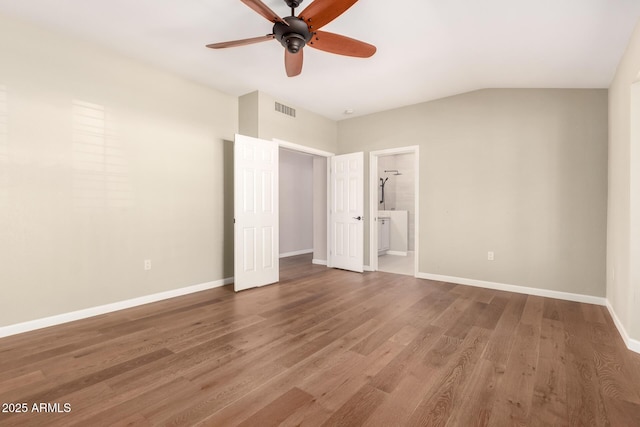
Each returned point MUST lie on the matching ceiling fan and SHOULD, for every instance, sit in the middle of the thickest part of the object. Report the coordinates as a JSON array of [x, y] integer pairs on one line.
[[294, 33]]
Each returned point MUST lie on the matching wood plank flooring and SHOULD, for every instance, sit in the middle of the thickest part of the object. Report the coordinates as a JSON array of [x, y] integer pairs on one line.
[[329, 347]]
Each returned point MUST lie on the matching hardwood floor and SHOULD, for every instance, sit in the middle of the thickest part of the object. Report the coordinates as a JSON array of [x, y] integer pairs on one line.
[[329, 347]]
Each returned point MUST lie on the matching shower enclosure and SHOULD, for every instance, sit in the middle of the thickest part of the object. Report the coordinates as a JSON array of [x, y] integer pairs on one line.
[[382, 184]]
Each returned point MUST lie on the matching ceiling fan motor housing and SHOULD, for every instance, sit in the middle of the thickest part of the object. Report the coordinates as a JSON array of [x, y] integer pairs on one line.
[[293, 36]]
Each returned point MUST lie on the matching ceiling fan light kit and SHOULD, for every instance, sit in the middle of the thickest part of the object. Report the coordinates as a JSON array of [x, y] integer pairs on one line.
[[294, 33]]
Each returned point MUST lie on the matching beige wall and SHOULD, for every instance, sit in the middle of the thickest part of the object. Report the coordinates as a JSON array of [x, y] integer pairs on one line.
[[320, 209], [105, 162], [518, 172], [623, 230], [258, 118], [248, 114]]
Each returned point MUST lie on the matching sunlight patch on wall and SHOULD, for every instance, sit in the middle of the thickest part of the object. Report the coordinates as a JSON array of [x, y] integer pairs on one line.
[[101, 176]]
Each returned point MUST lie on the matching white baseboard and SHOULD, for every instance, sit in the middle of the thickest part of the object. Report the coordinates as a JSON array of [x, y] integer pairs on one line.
[[45, 322], [5, 331], [397, 253], [589, 299], [319, 261], [633, 345], [294, 253], [367, 268]]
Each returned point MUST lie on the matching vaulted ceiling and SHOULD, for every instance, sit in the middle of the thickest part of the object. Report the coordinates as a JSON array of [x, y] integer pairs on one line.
[[427, 49]]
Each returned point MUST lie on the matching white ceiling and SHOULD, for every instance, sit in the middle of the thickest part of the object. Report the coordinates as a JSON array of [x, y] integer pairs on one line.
[[427, 49]]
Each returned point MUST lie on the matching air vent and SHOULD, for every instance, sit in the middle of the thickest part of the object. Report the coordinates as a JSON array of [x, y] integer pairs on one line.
[[281, 108]]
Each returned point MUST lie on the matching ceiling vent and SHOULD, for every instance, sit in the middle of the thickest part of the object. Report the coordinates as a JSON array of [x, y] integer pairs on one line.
[[284, 109]]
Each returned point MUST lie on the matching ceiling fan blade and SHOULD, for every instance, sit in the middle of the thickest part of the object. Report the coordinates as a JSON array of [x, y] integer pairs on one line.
[[293, 62], [341, 45], [242, 42], [264, 10], [321, 12]]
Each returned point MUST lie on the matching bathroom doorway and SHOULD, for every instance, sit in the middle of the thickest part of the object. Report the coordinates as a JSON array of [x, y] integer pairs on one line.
[[393, 196]]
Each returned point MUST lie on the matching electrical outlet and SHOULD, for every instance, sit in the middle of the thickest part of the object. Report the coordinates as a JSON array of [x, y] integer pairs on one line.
[[490, 255], [147, 264]]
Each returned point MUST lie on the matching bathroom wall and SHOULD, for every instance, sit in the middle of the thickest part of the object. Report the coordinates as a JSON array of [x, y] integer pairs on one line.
[[387, 163], [399, 189]]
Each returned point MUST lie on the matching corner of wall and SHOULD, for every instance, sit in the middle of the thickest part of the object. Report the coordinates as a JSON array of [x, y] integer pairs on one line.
[[248, 114], [304, 127], [632, 344], [623, 240]]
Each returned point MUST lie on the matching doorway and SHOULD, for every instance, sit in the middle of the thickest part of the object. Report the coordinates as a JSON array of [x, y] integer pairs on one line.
[[394, 204], [303, 201]]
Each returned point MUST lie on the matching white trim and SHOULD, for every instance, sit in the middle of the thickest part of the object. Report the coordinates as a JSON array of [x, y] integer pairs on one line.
[[319, 261], [58, 319], [373, 210], [588, 299], [329, 254], [302, 148], [416, 219], [294, 253], [397, 253], [367, 268], [409, 149], [633, 345]]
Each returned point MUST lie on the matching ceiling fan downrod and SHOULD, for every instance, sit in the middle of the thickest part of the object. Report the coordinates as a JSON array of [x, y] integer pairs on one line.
[[293, 4]]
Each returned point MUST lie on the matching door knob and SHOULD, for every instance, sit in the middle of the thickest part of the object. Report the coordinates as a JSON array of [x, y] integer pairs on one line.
[[359, 218]]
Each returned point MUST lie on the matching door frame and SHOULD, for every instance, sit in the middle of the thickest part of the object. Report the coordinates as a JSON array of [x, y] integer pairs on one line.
[[302, 148], [315, 152], [373, 202]]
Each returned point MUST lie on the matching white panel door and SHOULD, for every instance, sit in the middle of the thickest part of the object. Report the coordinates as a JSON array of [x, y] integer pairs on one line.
[[346, 222], [256, 238]]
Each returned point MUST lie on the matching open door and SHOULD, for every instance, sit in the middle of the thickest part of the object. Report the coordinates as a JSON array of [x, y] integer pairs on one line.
[[346, 210], [256, 238]]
